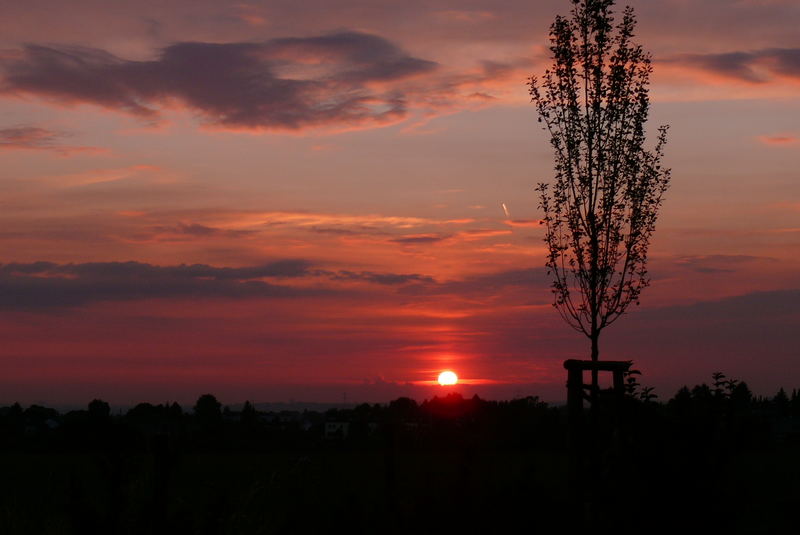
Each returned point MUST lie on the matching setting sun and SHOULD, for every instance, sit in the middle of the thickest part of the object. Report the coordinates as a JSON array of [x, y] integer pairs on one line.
[[448, 378]]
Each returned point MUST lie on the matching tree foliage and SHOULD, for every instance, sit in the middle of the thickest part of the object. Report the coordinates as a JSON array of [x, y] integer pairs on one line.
[[601, 208]]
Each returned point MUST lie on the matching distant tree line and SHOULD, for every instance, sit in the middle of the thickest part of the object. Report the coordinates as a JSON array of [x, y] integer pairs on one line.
[[724, 404]]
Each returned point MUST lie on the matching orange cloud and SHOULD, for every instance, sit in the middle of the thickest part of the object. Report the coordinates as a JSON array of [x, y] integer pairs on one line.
[[523, 222], [779, 140], [476, 234]]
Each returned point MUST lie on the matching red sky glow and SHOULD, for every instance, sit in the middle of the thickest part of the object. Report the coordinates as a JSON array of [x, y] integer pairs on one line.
[[280, 200]]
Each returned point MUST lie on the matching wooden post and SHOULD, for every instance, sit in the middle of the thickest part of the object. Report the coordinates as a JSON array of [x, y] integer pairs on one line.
[[574, 394], [584, 462], [619, 382]]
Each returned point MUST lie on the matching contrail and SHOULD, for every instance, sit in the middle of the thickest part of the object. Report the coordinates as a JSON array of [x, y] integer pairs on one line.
[[505, 209]]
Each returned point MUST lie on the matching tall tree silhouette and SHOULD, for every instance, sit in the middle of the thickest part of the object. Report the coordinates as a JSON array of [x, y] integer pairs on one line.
[[602, 206]]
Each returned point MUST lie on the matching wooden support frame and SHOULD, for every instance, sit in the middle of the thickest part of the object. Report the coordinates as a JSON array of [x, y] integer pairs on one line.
[[576, 388]]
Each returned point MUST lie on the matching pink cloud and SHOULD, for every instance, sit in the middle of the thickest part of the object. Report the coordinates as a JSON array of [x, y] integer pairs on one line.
[[42, 139], [468, 16], [251, 15]]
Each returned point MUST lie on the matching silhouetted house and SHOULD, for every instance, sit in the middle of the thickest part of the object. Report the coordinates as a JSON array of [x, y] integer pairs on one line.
[[784, 428], [288, 417], [336, 430]]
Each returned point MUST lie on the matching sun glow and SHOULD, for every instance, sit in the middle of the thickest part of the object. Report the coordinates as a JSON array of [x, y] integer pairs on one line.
[[448, 378]]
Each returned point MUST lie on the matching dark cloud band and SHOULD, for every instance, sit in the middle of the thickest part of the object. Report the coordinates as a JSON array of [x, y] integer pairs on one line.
[[47, 284], [342, 79], [757, 66]]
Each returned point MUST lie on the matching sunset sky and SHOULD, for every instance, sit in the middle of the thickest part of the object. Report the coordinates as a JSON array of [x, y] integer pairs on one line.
[[303, 200]]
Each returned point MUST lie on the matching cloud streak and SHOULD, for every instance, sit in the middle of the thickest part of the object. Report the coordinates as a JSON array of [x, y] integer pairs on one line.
[[780, 140], [757, 67], [28, 137], [713, 264], [48, 284]]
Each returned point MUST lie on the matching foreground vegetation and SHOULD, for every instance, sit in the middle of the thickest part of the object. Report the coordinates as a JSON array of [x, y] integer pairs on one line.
[[710, 457]]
